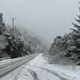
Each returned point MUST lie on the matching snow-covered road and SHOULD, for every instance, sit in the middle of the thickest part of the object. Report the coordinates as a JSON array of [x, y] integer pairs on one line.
[[32, 72], [10, 69], [39, 69], [13, 74]]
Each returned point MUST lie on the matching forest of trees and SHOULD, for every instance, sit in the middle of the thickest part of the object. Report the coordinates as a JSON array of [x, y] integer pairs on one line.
[[13, 43], [69, 44]]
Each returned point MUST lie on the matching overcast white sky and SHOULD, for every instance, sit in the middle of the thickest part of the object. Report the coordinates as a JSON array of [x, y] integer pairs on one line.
[[48, 18]]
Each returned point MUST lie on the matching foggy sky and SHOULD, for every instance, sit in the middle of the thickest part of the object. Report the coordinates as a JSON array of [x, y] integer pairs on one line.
[[48, 18]]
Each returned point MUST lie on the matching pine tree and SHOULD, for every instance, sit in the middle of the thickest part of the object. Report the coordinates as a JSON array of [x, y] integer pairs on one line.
[[74, 49]]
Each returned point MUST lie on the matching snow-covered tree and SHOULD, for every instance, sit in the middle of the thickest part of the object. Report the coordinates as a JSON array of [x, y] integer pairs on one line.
[[74, 50], [69, 44], [15, 44], [56, 45]]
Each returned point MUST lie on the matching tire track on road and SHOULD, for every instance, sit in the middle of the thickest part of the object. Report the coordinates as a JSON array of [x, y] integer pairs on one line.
[[54, 73], [33, 74]]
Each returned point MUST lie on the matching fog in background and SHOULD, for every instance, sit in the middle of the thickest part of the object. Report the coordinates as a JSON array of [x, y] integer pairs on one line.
[[47, 18]]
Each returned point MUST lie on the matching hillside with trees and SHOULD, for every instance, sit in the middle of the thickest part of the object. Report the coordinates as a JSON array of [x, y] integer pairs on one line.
[[16, 43]]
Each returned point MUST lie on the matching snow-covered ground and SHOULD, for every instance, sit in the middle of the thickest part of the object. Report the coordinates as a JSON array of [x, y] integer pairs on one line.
[[39, 69]]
